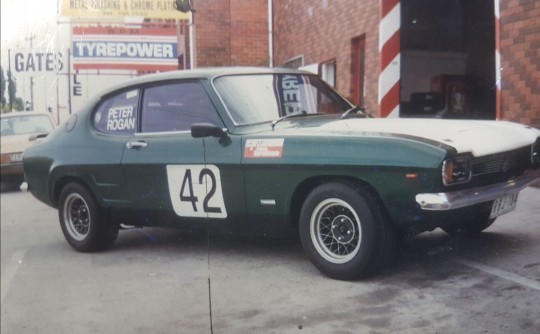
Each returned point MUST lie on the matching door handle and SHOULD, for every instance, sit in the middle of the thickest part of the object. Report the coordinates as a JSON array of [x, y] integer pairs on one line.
[[135, 145]]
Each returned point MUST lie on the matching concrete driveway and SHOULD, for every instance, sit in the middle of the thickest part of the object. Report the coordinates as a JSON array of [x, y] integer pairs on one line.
[[167, 281]]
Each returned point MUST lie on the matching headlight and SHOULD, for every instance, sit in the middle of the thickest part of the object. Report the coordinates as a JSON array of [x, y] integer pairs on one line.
[[456, 170]]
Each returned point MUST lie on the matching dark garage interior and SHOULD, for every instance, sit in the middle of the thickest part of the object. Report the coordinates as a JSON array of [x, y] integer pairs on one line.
[[448, 59]]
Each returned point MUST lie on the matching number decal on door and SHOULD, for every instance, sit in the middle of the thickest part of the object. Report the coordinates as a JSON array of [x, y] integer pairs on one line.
[[210, 192], [187, 182], [195, 191]]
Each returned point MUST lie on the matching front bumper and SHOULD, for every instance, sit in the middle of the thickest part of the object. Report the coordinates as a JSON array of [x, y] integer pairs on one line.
[[469, 197]]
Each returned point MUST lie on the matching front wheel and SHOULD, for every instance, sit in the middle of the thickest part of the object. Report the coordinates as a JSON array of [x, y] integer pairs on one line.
[[344, 232], [83, 222]]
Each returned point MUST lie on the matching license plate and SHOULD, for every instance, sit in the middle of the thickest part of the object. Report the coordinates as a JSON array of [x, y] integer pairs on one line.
[[503, 205], [16, 157]]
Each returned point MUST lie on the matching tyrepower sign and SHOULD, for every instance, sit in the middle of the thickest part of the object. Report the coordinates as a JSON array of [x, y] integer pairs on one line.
[[141, 49]]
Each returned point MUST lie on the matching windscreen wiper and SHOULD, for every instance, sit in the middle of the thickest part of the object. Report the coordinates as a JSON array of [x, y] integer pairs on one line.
[[355, 108], [295, 114]]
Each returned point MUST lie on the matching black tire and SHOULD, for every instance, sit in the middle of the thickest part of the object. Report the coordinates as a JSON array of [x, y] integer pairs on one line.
[[472, 225], [345, 232], [83, 222]]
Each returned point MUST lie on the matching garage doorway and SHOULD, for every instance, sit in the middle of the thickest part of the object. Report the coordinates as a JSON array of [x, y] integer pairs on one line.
[[448, 59]]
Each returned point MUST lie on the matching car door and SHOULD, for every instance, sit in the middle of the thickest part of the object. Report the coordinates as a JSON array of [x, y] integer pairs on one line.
[[224, 156], [115, 122], [164, 165]]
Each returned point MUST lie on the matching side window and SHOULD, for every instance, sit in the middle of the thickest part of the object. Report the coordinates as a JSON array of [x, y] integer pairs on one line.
[[118, 114], [176, 107]]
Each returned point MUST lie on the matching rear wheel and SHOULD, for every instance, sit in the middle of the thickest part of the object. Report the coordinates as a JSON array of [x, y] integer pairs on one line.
[[83, 222], [343, 231]]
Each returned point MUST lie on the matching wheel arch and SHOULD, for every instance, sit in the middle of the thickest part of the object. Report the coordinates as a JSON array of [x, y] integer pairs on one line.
[[307, 186], [62, 182]]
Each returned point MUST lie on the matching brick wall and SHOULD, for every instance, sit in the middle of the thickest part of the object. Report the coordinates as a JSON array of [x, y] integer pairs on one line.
[[520, 60], [323, 30], [249, 32], [231, 32], [235, 32], [213, 33]]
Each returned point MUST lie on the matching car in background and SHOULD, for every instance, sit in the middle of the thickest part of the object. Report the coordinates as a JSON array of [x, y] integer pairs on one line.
[[18, 131], [274, 151]]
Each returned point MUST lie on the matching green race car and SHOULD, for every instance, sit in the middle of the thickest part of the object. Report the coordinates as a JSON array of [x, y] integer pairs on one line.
[[274, 152]]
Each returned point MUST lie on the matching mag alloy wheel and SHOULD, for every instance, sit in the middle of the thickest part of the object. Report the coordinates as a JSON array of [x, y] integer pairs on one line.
[[77, 217], [84, 223], [335, 231], [344, 231]]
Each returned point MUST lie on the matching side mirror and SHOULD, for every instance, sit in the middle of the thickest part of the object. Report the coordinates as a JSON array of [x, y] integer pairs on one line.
[[207, 130]]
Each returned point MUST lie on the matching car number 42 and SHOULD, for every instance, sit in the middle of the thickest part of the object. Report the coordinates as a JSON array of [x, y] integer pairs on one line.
[[195, 191]]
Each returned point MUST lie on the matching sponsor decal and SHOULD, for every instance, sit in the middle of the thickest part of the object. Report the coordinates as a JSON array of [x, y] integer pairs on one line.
[[264, 148], [292, 94], [196, 191], [121, 118]]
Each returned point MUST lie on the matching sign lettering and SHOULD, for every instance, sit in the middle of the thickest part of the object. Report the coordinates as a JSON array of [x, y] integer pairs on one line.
[[123, 49], [38, 62], [77, 86], [144, 49], [156, 9]]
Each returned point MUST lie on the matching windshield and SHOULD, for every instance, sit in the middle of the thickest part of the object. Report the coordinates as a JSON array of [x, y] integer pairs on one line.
[[265, 97], [26, 124]]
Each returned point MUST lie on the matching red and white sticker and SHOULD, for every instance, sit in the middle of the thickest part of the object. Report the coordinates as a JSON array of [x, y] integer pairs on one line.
[[264, 148]]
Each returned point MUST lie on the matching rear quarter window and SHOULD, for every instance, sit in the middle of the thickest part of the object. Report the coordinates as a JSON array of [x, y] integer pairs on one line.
[[118, 114]]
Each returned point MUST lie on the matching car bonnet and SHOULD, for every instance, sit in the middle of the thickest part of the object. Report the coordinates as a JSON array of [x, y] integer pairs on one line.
[[477, 137]]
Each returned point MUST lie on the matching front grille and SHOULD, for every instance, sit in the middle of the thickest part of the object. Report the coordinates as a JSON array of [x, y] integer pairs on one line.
[[501, 165], [489, 164]]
